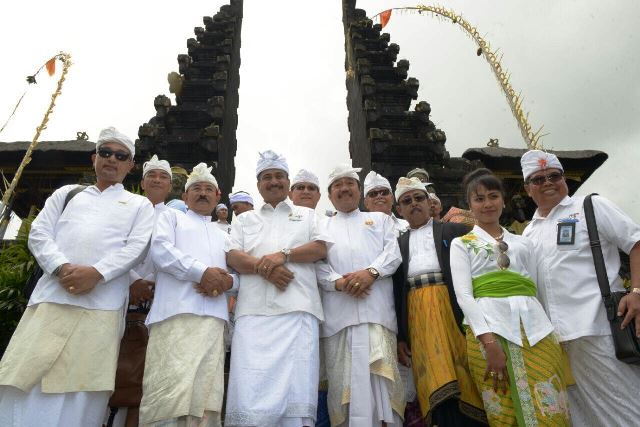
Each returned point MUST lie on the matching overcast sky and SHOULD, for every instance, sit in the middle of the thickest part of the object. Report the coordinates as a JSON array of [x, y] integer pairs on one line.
[[576, 63]]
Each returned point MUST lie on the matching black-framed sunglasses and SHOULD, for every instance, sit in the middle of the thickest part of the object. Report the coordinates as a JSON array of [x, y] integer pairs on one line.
[[503, 259], [302, 187], [105, 153], [375, 193], [541, 179], [406, 201]]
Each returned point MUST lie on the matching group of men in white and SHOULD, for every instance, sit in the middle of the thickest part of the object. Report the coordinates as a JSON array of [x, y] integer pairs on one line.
[[315, 301]]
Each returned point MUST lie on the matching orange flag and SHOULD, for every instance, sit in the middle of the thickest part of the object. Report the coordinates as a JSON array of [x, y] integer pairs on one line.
[[51, 66], [384, 17]]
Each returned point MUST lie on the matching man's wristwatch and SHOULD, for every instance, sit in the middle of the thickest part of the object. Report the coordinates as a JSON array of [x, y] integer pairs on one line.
[[373, 272], [57, 270], [287, 254], [635, 291]]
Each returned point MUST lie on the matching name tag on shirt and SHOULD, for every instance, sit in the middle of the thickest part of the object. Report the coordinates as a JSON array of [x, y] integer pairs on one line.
[[566, 232], [296, 217]]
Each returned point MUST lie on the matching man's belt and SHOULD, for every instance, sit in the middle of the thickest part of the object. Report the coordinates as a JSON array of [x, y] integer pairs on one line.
[[427, 279]]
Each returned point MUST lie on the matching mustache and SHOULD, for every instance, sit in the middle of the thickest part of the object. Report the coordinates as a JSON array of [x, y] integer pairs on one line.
[[202, 198]]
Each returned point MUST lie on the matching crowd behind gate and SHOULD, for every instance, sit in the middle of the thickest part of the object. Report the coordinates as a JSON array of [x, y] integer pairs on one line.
[[387, 316]]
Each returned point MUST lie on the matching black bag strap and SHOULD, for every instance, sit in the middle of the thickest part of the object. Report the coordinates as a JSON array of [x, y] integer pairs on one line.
[[598, 258], [596, 249], [71, 194]]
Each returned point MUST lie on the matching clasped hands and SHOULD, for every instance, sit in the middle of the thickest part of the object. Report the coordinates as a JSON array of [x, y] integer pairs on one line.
[[78, 279], [214, 282], [271, 267], [357, 284]]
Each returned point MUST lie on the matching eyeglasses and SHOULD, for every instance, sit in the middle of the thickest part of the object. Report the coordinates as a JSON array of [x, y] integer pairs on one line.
[[541, 179], [302, 187], [375, 193], [105, 153], [406, 201], [503, 259]]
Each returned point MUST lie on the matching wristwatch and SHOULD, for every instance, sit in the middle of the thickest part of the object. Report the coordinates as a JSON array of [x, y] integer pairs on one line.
[[287, 253], [635, 291], [57, 270], [373, 272]]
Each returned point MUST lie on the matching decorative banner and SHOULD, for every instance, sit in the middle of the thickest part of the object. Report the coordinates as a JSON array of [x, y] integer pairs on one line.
[[531, 138], [384, 17], [51, 66]]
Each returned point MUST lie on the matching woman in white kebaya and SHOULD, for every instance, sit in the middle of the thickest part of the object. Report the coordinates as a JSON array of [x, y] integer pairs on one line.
[[514, 357]]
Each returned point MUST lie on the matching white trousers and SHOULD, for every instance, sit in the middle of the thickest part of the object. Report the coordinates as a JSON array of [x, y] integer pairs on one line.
[[607, 390], [37, 409]]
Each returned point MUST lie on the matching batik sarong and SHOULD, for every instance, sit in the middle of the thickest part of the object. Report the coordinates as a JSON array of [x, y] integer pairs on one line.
[[438, 354], [537, 392]]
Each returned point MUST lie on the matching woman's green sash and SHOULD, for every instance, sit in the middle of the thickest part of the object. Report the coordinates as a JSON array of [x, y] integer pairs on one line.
[[503, 283]]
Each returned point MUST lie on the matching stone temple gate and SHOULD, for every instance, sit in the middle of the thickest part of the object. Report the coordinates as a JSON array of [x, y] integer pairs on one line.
[[387, 134]]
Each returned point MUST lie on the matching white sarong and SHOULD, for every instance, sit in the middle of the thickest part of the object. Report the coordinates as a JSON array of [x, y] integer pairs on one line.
[[365, 386], [274, 371], [184, 369], [606, 390], [36, 409]]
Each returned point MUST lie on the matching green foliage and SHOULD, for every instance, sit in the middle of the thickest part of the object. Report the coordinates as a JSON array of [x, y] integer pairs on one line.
[[16, 265]]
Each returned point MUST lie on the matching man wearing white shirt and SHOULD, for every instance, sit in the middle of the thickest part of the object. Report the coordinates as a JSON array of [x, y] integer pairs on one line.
[[222, 214], [429, 319], [60, 365], [274, 359], [606, 389], [305, 189], [240, 202], [358, 336], [156, 183], [184, 369], [378, 197]]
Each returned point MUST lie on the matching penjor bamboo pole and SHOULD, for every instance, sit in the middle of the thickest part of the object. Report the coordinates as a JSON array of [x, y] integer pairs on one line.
[[531, 138]]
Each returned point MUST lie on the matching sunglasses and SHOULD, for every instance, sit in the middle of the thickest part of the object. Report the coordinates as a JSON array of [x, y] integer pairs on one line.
[[302, 187], [105, 153], [541, 179], [406, 201], [375, 193], [503, 259]]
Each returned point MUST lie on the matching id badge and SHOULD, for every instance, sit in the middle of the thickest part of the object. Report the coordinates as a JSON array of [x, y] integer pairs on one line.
[[566, 233]]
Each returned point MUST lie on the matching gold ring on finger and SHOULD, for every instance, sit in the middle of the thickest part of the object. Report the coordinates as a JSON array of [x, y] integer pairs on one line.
[[71, 288], [215, 293], [356, 285]]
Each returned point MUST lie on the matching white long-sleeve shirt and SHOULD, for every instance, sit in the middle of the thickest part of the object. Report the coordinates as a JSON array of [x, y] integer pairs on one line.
[[268, 230], [109, 230], [146, 270], [184, 245], [423, 257], [499, 315], [361, 240], [567, 282]]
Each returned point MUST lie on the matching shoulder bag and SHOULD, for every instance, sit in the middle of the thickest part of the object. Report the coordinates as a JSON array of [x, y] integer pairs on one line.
[[626, 343]]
